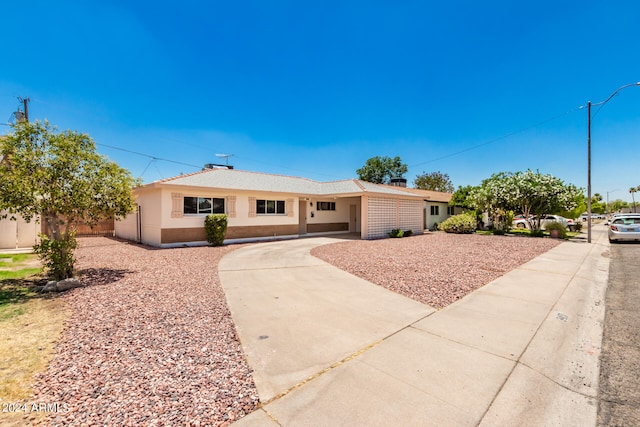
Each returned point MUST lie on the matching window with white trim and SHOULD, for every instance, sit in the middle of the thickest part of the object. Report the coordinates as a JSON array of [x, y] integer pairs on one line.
[[451, 210], [270, 207], [326, 206], [435, 210], [203, 205]]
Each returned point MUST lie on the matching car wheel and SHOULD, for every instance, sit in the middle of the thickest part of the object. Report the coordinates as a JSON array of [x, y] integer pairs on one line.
[[519, 225]]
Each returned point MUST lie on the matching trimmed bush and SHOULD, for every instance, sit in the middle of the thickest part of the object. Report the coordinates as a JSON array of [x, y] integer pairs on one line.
[[464, 223], [397, 233], [536, 233], [562, 230], [57, 255], [216, 227]]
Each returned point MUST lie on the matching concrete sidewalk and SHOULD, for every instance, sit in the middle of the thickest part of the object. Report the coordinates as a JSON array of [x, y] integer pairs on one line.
[[330, 349]]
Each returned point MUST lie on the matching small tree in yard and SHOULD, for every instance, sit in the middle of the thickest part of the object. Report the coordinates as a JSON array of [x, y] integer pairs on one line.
[[59, 177]]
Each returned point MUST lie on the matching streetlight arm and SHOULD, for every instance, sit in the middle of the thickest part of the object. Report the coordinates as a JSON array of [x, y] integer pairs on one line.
[[615, 93], [589, 104]]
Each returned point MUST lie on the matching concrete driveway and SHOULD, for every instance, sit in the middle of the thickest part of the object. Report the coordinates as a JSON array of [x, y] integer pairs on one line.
[[330, 349]]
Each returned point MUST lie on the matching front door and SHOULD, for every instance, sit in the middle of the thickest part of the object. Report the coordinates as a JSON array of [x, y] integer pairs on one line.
[[302, 217]]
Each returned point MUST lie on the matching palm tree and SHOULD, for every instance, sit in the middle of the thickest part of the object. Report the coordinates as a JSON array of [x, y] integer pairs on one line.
[[633, 190]]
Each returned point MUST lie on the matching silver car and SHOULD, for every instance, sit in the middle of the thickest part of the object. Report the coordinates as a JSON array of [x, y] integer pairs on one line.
[[624, 228]]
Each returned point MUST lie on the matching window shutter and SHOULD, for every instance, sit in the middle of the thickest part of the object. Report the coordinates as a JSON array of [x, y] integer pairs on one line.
[[177, 205], [231, 206], [252, 206], [289, 207]]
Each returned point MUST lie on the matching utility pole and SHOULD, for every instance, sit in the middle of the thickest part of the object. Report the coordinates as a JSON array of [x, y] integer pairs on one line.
[[25, 102]]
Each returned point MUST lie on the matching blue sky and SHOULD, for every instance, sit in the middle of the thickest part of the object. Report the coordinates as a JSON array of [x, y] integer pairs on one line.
[[314, 89]]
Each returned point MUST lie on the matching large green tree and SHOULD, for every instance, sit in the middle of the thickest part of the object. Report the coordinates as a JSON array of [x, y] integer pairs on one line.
[[59, 178], [380, 170], [434, 181], [460, 197], [529, 193]]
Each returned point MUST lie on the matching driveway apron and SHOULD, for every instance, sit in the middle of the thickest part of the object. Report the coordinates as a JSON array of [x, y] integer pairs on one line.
[[296, 315]]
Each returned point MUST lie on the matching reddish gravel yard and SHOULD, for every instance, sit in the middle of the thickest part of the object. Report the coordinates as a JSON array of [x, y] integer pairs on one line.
[[150, 341], [436, 268]]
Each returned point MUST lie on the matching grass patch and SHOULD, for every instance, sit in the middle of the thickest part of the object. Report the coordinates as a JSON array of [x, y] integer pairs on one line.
[[19, 274], [27, 341], [30, 324]]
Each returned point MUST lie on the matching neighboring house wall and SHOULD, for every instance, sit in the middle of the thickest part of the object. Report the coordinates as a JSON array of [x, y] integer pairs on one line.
[[18, 234]]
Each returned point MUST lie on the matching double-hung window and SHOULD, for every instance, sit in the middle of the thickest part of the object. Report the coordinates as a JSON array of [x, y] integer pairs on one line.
[[435, 210], [203, 205], [270, 207]]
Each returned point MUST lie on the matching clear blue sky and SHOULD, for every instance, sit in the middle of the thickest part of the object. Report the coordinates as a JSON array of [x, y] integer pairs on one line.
[[314, 89]]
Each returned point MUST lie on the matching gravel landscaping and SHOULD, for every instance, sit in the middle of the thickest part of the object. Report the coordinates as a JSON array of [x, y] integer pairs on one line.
[[436, 268], [151, 340]]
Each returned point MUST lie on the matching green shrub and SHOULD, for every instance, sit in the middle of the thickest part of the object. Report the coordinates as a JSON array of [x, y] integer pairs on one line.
[[502, 221], [436, 227], [578, 226], [57, 255], [396, 233], [562, 230], [216, 227], [460, 224], [536, 233]]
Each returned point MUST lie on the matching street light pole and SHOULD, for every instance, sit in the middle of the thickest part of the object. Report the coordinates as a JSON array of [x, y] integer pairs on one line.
[[610, 191], [589, 175], [589, 104]]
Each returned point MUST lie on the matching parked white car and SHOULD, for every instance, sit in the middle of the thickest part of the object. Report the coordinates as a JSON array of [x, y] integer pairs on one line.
[[546, 219], [624, 227]]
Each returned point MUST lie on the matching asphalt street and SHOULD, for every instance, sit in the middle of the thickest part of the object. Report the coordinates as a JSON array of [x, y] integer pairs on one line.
[[619, 390]]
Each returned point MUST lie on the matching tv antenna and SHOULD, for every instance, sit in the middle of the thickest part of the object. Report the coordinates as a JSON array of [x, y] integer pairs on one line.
[[225, 157]]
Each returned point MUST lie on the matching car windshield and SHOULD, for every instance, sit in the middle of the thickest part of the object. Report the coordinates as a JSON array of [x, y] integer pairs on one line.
[[627, 220]]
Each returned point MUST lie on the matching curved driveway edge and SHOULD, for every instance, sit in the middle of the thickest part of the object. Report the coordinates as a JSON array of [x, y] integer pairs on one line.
[[297, 315], [522, 350]]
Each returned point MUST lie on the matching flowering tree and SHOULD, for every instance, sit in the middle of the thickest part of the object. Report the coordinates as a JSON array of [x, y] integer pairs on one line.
[[530, 193], [492, 197]]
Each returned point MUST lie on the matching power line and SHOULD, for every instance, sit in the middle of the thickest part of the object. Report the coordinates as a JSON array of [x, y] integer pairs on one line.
[[475, 147], [148, 156]]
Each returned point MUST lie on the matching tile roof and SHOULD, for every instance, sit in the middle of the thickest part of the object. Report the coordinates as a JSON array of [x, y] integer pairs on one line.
[[257, 181]]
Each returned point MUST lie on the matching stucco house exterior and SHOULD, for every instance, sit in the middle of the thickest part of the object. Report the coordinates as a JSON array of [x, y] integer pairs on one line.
[[263, 206]]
